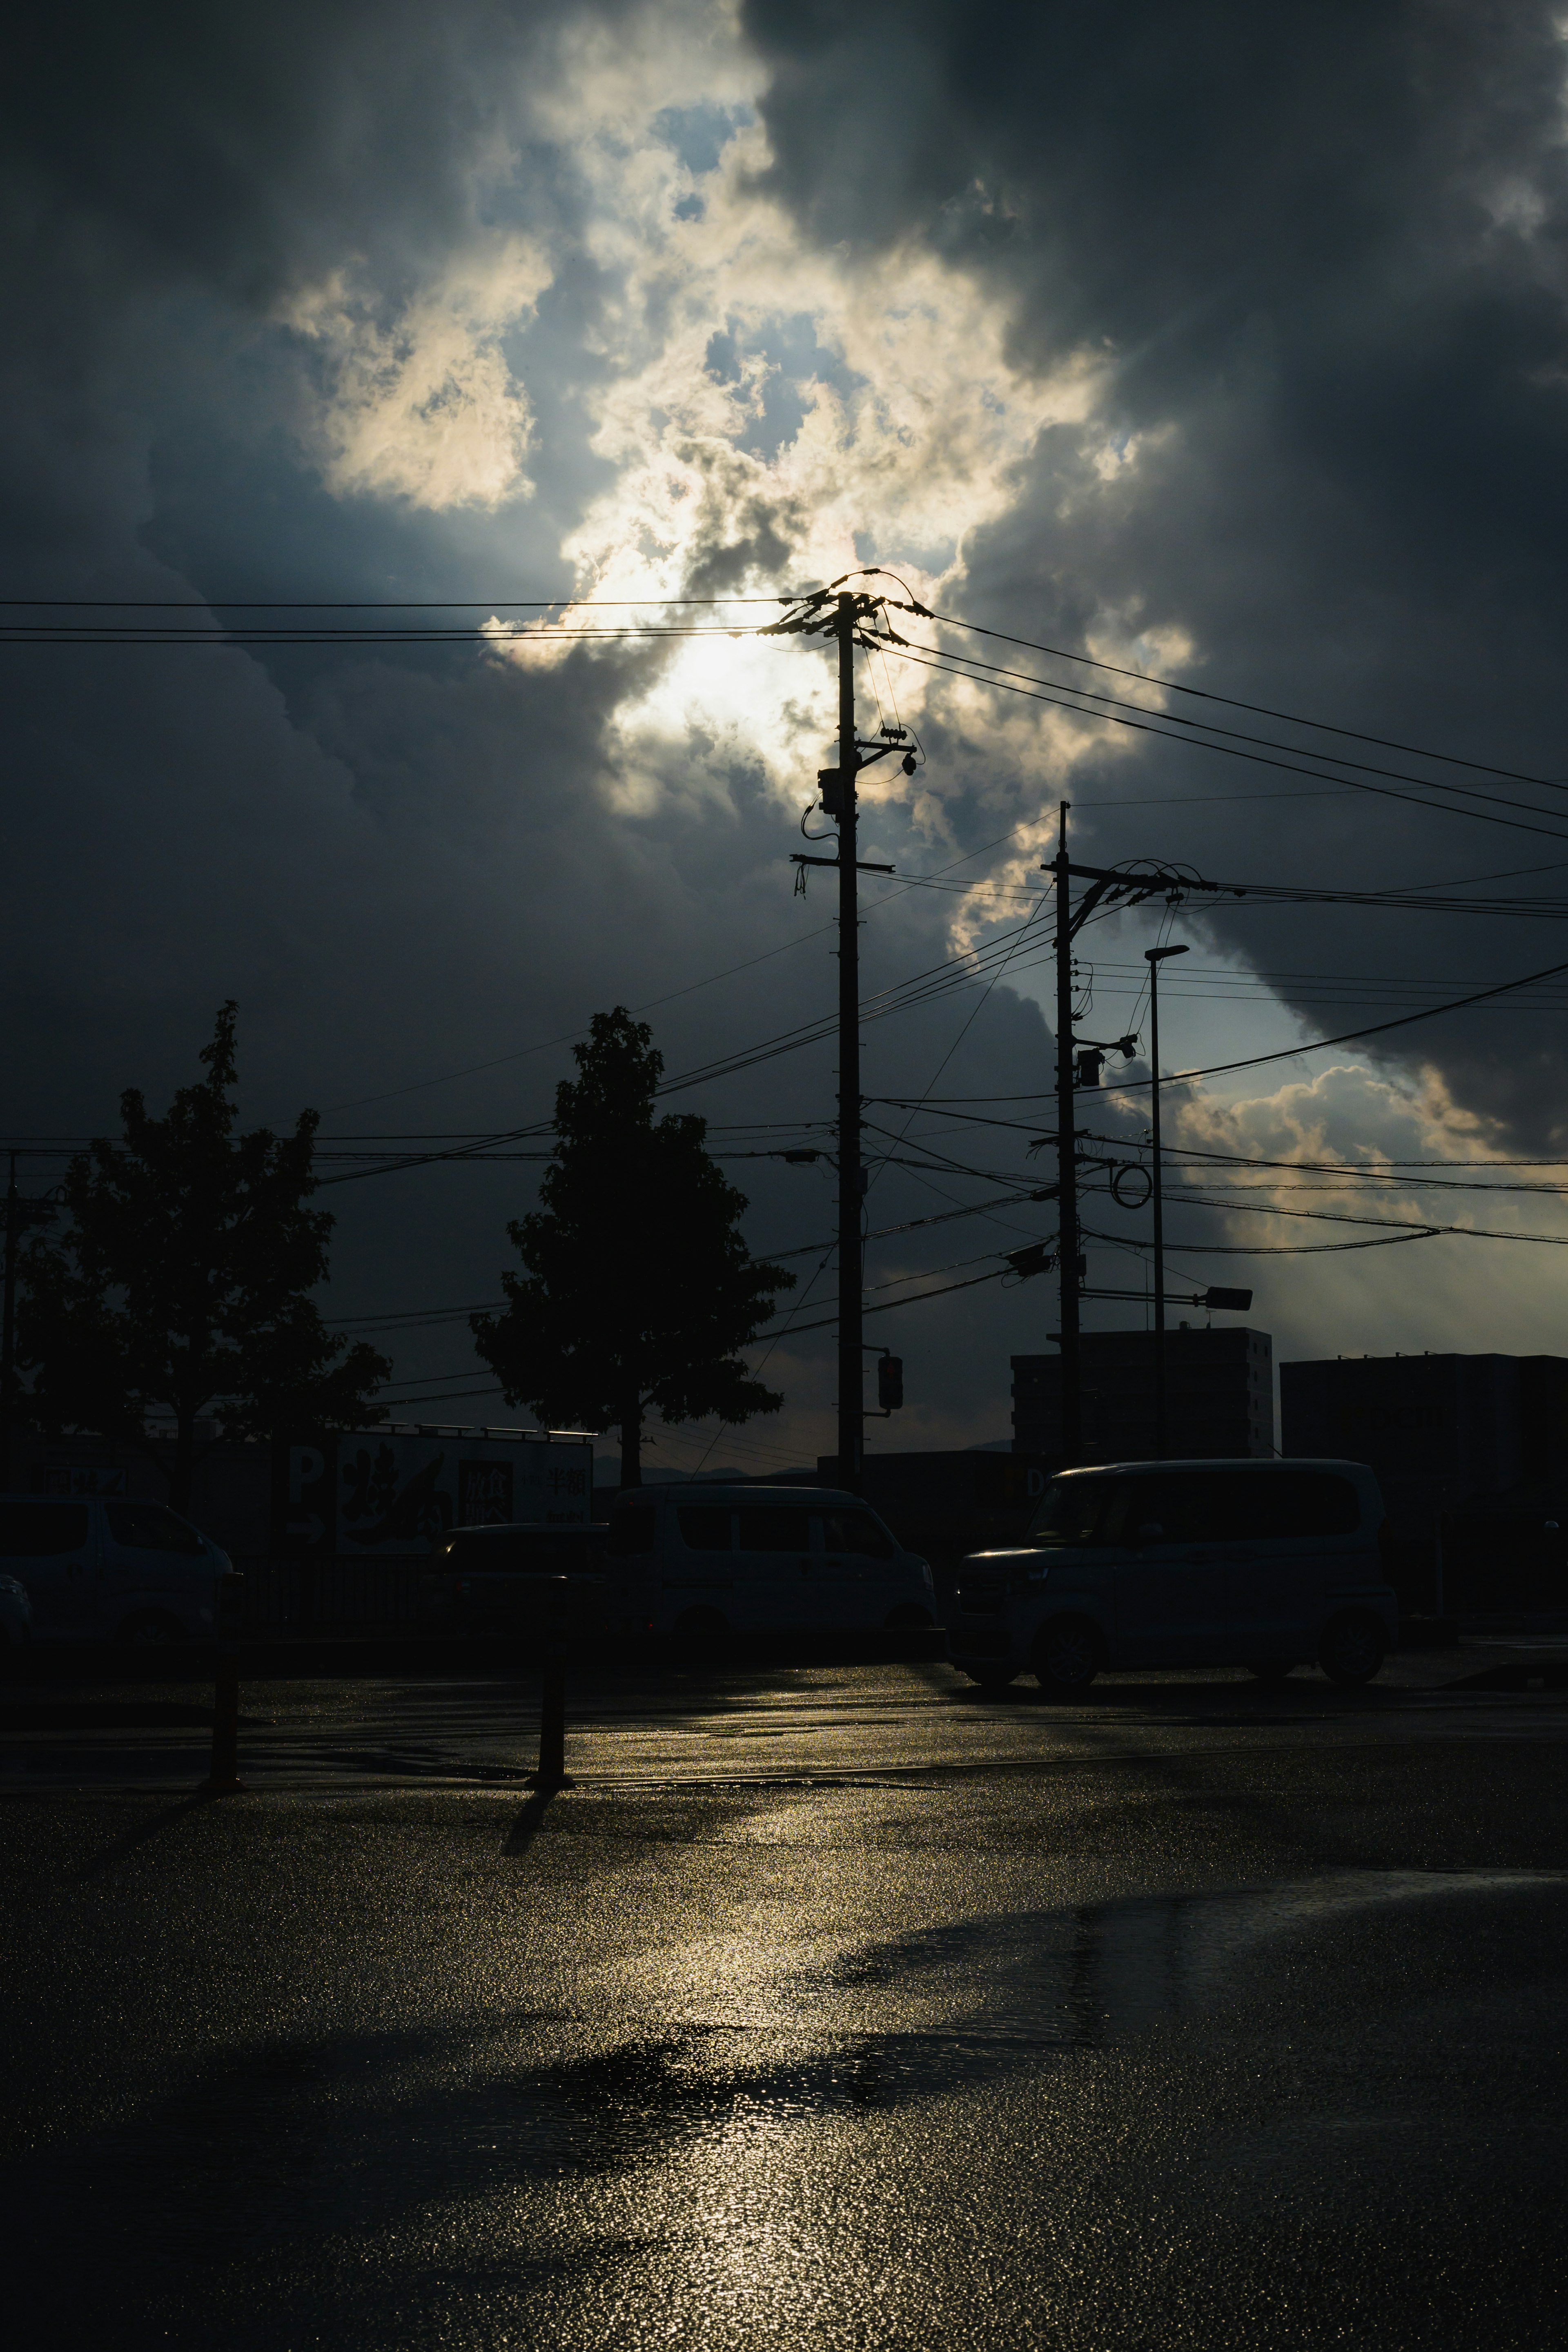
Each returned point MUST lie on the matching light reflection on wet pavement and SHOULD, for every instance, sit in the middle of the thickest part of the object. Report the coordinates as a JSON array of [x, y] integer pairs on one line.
[[813, 1722], [1194, 2046]]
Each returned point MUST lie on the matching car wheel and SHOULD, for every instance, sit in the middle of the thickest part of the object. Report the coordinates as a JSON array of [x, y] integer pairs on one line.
[[1353, 1648], [993, 1677], [1271, 1670], [1067, 1656], [151, 1629], [700, 1632], [908, 1617]]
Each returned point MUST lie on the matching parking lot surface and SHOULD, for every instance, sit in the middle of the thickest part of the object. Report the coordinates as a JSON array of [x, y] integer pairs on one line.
[[832, 2006]]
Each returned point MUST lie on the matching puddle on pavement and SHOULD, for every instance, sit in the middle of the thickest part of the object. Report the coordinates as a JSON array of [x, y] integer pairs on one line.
[[1077, 1978]]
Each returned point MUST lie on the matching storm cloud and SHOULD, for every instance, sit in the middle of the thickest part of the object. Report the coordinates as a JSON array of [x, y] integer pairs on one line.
[[1224, 344]]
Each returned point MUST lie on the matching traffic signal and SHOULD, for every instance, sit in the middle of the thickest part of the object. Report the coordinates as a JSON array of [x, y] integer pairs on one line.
[[890, 1383]]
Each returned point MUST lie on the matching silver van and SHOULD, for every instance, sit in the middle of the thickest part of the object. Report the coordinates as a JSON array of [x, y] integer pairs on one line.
[[701, 1561], [1268, 1565], [101, 1570]]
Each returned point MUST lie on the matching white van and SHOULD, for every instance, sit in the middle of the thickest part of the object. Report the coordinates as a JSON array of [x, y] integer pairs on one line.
[[701, 1561], [1268, 1565], [99, 1569]]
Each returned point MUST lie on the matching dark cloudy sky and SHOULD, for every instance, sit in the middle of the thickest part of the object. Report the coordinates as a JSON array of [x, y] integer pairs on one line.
[[1221, 342]]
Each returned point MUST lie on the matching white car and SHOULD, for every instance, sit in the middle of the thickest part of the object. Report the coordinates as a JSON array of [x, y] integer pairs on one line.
[[1268, 1565], [16, 1612], [98, 1569], [702, 1561]]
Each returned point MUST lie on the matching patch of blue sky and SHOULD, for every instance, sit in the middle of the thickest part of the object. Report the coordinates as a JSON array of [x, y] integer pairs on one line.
[[699, 135], [793, 359], [932, 556]]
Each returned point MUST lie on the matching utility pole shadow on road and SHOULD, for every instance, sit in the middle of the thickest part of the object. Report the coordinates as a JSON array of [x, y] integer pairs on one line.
[[526, 1827], [125, 1846]]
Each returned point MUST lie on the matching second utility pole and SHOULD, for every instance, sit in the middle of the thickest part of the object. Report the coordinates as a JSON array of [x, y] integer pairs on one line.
[[851, 1354], [1154, 958], [1067, 1164]]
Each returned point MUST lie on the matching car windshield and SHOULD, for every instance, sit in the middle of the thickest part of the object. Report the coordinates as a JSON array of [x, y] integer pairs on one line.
[[1071, 1511], [149, 1526]]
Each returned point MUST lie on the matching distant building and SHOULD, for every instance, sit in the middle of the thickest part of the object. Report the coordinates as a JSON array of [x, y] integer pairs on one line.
[[946, 1504], [1219, 1396], [1437, 1430]]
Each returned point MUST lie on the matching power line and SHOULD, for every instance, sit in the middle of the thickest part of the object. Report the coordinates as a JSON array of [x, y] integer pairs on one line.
[[1285, 1052], [497, 605], [86, 636], [1257, 758], [449, 1077], [1212, 727], [1275, 1249], [1329, 1217], [1347, 1037], [1233, 702], [373, 604], [652, 1003], [887, 1306]]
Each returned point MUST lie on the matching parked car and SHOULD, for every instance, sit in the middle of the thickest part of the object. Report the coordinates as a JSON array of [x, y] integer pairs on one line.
[[493, 1576], [16, 1612], [1214, 1563], [98, 1568], [701, 1561]]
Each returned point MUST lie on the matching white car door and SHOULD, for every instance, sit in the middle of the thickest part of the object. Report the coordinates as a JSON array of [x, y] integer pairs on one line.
[[1291, 1522], [1172, 1574]]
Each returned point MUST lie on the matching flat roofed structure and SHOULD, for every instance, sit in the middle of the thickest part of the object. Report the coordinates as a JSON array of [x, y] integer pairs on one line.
[[1219, 1396], [1437, 1430]]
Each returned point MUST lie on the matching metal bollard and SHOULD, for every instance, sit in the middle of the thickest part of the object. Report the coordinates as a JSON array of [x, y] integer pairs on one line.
[[223, 1777], [551, 1773]]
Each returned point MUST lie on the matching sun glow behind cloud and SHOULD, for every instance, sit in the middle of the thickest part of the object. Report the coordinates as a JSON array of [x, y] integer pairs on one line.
[[764, 415], [424, 406], [760, 413]]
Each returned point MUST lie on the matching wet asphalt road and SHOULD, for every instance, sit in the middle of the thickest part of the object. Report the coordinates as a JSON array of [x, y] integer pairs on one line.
[[832, 2008]]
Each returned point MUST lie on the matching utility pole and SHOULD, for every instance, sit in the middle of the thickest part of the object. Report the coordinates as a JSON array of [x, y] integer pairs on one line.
[[1107, 886], [851, 1181], [1067, 1164], [842, 613], [1154, 958]]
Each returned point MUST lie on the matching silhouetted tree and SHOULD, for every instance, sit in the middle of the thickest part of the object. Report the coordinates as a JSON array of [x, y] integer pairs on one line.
[[179, 1287], [638, 1291]]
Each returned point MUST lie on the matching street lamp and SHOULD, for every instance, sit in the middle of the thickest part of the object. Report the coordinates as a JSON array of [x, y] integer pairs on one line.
[[1154, 958]]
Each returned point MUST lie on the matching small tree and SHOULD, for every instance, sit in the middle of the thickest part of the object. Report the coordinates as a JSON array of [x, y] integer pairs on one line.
[[180, 1286], [638, 1291]]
